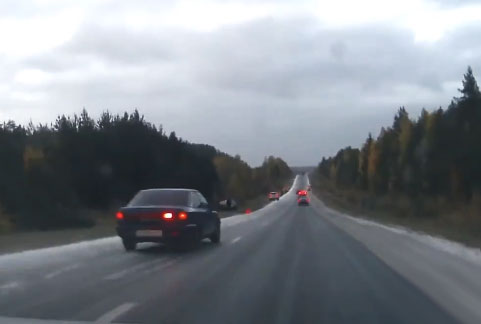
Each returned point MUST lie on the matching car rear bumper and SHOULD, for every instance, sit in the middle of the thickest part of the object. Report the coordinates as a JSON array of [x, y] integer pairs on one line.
[[129, 232]]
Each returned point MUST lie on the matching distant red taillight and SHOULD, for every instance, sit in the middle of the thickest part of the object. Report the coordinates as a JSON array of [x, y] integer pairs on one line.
[[298, 200], [168, 216], [119, 215], [182, 215]]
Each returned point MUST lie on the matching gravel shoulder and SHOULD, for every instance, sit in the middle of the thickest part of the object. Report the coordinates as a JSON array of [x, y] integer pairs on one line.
[[448, 272]]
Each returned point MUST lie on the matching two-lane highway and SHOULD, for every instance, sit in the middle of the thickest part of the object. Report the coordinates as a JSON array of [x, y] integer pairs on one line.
[[281, 264]]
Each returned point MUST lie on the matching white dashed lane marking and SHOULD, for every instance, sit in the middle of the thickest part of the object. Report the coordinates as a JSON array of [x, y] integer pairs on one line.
[[145, 267], [237, 239], [55, 273], [123, 273], [160, 267], [115, 313], [10, 285]]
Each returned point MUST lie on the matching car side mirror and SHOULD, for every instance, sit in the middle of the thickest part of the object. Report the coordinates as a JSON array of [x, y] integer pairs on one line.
[[204, 205]]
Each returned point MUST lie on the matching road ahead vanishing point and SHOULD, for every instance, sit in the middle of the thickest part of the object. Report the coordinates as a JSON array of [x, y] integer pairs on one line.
[[281, 264]]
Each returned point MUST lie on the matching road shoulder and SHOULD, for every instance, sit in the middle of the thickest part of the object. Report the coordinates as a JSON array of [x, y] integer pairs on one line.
[[451, 278]]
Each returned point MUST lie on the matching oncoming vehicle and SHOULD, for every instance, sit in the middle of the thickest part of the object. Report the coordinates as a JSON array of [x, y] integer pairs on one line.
[[303, 201], [169, 216], [274, 195]]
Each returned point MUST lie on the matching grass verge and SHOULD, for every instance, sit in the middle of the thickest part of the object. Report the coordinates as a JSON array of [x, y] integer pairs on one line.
[[16, 241], [434, 216]]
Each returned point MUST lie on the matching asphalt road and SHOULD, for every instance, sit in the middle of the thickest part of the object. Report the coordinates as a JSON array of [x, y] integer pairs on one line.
[[281, 264]]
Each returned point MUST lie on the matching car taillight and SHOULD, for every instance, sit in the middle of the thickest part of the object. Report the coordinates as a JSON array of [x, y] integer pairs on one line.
[[168, 216], [298, 200], [182, 215], [119, 215]]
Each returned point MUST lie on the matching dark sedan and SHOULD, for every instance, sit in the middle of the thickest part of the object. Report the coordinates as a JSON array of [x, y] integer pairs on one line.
[[167, 216]]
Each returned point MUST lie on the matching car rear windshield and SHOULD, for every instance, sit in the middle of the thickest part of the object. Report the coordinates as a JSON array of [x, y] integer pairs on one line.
[[159, 198]]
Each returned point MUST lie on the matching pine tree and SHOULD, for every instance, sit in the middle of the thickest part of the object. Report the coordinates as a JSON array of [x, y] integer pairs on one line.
[[364, 163], [470, 88]]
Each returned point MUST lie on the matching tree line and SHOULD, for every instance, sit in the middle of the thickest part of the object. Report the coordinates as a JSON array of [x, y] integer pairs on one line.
[[436, 155], [243, 183], [49, 174]]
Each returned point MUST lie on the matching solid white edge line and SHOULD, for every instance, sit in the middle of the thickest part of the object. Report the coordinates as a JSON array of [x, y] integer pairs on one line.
[[115, 313]]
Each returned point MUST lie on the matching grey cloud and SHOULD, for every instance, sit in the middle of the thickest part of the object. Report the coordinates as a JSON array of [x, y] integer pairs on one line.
[[457, 3], [26, 9], [284, 61], [120, 45], [281, 87], [338, 50]]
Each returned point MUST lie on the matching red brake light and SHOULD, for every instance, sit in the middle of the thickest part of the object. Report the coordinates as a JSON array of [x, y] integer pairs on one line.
[[119, 215], [182, 216], [168, 216]]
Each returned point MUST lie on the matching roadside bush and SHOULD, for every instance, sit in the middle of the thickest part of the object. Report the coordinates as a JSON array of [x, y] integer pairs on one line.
[[5, 223]]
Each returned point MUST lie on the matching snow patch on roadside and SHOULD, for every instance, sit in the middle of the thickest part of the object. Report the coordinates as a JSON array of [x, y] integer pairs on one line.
[[241, 218], [89, 248], [442, 244]]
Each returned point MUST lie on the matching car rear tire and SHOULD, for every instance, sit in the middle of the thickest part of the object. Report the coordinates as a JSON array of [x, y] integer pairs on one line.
[[215, 238], [129, 245]]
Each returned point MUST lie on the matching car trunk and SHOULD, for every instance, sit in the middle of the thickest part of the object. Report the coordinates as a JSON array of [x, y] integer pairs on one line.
[[151, 217]]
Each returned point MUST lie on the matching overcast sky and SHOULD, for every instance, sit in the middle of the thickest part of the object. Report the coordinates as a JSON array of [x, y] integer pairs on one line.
[[295, 79]]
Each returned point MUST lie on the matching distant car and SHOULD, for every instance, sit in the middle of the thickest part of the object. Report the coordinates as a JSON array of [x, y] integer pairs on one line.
[[302, 192], [274, 195], [303, 201], [228, 204], [170, 216]]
